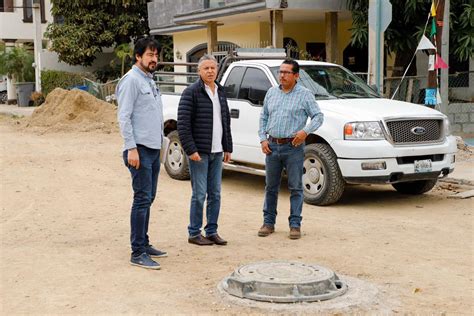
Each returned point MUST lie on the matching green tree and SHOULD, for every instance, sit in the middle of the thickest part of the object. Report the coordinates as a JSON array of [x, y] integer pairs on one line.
[[461, 38], [408, 21], [166, 42], [90, 25]]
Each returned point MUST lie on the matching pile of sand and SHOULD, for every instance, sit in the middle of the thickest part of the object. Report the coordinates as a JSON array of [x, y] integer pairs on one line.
[[74, 110]]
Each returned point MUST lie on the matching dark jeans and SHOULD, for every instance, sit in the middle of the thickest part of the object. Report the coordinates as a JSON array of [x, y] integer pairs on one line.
[[144, 183], [290, 158], [206, 179]]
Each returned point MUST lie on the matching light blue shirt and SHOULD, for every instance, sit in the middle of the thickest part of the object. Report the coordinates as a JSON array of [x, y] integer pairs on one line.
[[284, 114], [140, 110]]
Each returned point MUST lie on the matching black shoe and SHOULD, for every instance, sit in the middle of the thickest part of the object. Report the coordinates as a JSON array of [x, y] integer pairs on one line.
[[217, 240], [155, 253], [200, 241], [144, 261]]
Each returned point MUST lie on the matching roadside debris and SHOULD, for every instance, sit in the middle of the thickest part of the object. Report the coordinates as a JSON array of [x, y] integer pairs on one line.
[[74, 110], [462, 145], [462, 195]]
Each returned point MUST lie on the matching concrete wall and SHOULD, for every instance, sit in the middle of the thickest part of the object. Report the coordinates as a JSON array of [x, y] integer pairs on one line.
[[241, 34], [258, 33], [49, 61], [304, 33], [162, 12], [461, 117], [13, 27]]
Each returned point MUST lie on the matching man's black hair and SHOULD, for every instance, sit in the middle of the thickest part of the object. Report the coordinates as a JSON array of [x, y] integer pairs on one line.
[[142, 44], [294, 63]]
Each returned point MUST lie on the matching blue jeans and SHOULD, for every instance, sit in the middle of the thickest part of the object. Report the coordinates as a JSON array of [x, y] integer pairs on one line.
[[144, 183], [291, 158], [206, 179]]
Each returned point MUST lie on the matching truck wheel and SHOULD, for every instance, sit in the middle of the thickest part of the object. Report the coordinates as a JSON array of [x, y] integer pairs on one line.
[[415, 187], [323, 183], [3, 97], [176, 163]]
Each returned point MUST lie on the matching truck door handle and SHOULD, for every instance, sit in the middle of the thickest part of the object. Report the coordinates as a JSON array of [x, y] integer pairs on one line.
[[234, 113]]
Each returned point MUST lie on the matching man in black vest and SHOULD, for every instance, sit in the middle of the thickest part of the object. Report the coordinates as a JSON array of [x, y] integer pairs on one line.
[[204, 132]]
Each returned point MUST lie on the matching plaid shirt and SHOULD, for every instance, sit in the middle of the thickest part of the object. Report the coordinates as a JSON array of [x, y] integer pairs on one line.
[[284, 114]]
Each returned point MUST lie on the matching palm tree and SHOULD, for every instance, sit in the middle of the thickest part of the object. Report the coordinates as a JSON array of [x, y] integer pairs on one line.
[[123, 51], [17, 64]]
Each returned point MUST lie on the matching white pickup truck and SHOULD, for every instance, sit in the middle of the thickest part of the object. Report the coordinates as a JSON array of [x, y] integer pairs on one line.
[[364, 138]]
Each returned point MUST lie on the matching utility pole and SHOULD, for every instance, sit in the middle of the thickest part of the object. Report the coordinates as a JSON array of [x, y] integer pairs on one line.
[[37, 43], [11, 89], [380, 16], [444, 87]]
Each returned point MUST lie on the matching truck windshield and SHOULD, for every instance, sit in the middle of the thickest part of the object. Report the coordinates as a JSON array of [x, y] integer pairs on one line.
[[332, 82]]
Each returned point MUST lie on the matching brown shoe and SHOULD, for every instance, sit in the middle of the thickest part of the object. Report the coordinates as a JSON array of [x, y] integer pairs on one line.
[[200, 241], [217, 240], [295, 233], [265, 230]]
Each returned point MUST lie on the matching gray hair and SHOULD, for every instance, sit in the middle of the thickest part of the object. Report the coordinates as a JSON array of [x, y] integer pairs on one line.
[[206, 57]]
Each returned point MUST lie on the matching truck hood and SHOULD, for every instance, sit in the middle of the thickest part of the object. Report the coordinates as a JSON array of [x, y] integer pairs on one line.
[[375, 109]]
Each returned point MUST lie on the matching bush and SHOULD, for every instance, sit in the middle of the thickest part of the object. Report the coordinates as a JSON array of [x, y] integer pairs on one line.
[[108, 72], [51, 79]]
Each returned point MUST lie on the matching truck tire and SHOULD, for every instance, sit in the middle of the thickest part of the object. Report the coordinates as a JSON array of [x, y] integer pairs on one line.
[[3, 97], [415, 187], [323, 183], [176, 163]]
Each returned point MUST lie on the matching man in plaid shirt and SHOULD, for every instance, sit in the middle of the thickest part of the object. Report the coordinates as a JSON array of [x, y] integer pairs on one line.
[[282, 133]]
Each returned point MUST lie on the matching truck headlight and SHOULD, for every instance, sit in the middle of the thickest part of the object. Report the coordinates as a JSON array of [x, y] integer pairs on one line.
[[447, 127], [363, 131]]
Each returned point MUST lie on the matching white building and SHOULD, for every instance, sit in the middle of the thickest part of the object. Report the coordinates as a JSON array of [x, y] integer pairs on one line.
[[16, 20], [17, 28]]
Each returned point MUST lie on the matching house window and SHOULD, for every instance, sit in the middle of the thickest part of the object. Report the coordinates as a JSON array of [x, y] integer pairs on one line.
[[291, 48], [6, 5], [317, 50], [194, 54], [28, 11]]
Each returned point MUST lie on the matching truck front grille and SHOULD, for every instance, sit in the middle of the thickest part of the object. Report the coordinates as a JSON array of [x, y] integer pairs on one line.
[[415, 131]]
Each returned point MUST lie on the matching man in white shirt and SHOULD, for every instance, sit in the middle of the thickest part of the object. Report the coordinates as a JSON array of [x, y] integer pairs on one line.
[[204, 132]]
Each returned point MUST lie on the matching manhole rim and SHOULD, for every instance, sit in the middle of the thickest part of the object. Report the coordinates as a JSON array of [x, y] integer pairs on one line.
[[328, 273], [245, 287]]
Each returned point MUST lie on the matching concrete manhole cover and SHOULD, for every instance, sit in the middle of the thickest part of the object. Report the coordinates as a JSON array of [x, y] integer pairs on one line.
[[284, 282]]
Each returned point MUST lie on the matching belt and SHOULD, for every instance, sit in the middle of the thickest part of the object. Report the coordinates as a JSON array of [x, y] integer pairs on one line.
[[280, 141]]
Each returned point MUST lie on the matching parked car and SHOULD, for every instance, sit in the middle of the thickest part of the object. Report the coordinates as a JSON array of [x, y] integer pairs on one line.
[[364, 138]]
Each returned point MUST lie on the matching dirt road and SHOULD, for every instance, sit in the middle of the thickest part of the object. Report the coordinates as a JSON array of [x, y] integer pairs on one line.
[[65, 201]]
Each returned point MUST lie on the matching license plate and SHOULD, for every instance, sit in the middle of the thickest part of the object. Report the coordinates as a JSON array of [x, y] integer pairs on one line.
[[423, 165]]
